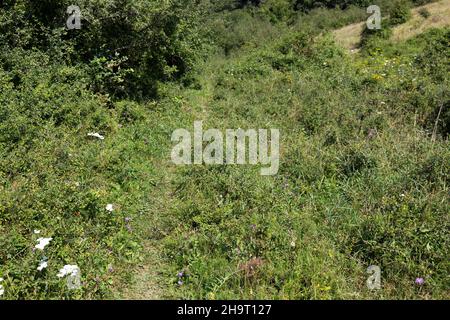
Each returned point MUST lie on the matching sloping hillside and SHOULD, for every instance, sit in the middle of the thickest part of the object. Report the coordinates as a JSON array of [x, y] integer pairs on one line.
[[87, 123], [353, 186], [439, 16]]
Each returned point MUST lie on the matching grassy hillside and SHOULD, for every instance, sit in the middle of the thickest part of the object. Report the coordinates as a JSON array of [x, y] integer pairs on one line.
[[364, 165], [433, 15]]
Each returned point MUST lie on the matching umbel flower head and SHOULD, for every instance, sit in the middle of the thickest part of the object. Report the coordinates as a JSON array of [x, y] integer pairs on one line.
[[42, 265], [73, 274], [42, 243], [68, 269]]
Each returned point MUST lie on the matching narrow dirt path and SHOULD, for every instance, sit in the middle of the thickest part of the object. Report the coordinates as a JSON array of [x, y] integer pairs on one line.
[[148, 282]]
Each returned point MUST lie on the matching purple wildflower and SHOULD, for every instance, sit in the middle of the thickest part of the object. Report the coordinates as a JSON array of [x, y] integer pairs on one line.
[[127, 219], [419, 281], [180, 274]]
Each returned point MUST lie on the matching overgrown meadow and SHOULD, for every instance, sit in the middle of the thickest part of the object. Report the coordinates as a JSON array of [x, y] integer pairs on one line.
[[86, 118]]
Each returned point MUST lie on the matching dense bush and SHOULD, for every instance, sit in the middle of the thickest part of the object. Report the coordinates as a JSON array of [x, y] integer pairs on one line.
[[372, 39], [145, 41], [343, 4], [400, 13]]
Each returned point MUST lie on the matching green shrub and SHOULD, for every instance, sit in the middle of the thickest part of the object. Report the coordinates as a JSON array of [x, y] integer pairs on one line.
[[400, 13], [277, 10], [156, 41], [424, 13], [373, 39]]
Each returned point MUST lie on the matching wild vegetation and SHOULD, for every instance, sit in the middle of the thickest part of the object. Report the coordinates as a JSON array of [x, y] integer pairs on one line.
[[86, 118]]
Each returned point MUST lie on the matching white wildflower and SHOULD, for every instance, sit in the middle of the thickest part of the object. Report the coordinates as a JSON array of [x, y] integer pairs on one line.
[[109, 207], [2, 290], [36, 231], [96, 135], [42, 265], [68, 269], [42, 243], [73, 274], [1, 279]]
